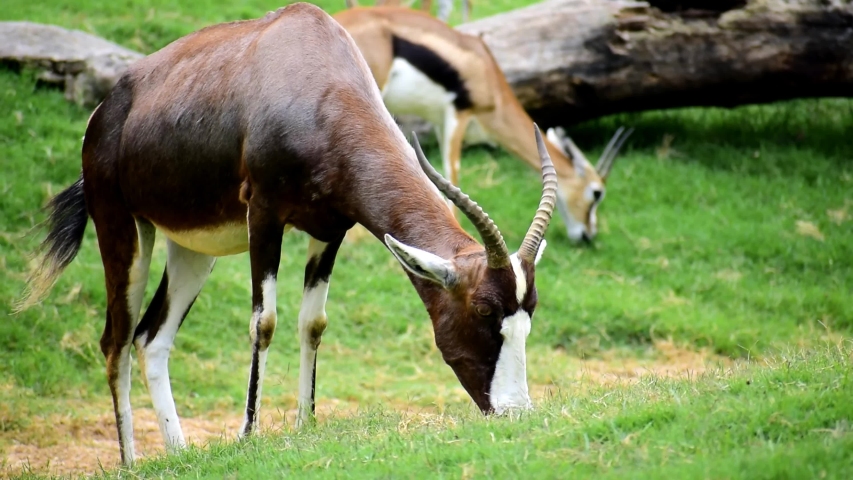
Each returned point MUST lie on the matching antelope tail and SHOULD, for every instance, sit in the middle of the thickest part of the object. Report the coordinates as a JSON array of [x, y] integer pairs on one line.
[[66, 224]]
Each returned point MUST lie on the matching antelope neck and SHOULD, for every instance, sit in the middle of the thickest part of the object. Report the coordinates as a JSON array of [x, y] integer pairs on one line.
[[408, 207]]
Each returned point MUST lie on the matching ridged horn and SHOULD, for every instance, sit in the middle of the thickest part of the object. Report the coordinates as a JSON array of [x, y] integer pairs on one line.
[[496, 251], [536, 232]]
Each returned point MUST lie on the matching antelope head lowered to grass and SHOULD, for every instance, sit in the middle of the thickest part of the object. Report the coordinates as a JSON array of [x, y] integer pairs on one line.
[[426, 68], [228, 137]]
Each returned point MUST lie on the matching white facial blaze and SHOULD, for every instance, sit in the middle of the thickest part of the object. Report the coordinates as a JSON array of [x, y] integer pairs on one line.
[[509, 385]]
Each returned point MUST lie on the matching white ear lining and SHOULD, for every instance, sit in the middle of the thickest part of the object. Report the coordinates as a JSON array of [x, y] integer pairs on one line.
[[555, 139], [422, 263], [557, 136], [540, 251]]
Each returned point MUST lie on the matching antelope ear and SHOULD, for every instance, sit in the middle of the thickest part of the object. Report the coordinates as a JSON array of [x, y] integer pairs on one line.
[[554, 137], [540, 252], [423, 264]]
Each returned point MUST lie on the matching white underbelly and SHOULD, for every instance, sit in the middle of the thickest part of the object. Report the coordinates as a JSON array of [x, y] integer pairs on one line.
[[408, 91], [219, 241]]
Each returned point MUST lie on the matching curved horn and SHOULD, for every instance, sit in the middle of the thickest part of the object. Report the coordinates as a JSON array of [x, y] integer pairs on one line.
[[536, 232], [496, 251], [605, 162]]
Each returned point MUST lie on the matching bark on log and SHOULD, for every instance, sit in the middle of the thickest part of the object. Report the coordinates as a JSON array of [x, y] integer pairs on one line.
[[573, 60]]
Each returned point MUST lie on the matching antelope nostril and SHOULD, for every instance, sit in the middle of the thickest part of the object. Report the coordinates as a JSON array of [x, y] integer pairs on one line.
[[596, 194], [586, 238]]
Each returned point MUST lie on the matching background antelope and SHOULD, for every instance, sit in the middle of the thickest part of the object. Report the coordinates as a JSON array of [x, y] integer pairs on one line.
[[230, 136], [445, 7], [426, 68]]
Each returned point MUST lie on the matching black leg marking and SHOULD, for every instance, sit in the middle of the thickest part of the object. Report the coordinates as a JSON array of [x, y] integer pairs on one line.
[[434, 67], [265, 234], [155, 313], [314, 387], [252, 397], [319, 267]]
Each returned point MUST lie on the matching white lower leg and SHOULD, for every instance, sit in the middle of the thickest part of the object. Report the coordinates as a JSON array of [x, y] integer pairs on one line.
[[261, 332], [160, 389], [307, 376], [312, 323], [186, 274], [124, 413], [137, 278], [262, 367]]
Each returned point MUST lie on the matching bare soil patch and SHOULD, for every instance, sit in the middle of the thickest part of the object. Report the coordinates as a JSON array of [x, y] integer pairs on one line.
[[85, 443]]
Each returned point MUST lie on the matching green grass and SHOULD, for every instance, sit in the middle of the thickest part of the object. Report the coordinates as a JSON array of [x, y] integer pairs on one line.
[[733, 238], [789, 418]]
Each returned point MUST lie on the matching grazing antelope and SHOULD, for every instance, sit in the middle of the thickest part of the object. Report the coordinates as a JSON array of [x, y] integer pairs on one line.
[[228, 137], [426, 68], [445, 7]]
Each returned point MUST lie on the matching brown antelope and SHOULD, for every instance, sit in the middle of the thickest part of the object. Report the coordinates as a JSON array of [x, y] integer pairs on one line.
[[444, 7], [228, 137], [426, 68]]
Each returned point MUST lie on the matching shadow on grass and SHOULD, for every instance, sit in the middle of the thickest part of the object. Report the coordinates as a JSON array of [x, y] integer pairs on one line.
[[804, 129]]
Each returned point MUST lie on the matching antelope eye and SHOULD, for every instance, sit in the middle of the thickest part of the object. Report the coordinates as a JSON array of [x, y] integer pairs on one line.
[[483, 310]]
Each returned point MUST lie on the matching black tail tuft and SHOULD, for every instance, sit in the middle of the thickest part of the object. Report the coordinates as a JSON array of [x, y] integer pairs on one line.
[[66, 224]]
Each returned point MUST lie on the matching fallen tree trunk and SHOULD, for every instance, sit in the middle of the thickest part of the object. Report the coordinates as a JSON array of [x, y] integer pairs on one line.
[[573, 60]]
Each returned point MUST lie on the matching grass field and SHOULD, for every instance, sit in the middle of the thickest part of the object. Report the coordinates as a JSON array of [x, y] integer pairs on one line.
[[706, 334]]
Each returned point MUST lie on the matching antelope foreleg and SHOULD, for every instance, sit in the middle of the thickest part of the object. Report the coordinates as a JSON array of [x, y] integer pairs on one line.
[[312, 321]]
